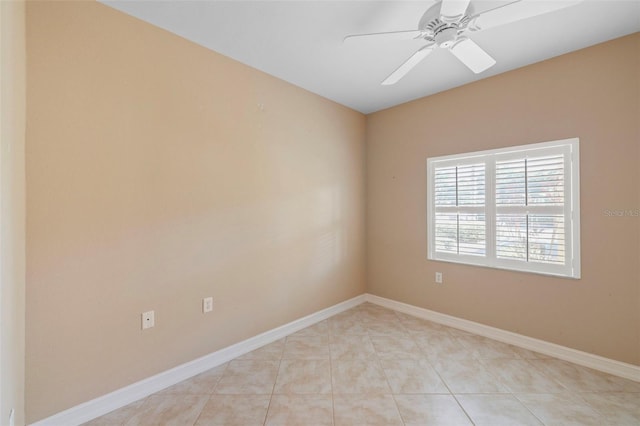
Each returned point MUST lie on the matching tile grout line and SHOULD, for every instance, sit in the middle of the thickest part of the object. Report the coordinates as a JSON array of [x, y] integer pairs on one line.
[[266, 414], [327, 334], [211, 395], [393, 395], [474, 355], [451, 393], [528, 409], [442, 379]]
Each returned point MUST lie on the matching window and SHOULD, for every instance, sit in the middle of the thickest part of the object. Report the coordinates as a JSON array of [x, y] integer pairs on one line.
[[513, 208]]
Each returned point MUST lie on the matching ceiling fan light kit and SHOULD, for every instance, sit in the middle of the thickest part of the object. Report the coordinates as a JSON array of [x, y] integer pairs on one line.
[[447, 23]]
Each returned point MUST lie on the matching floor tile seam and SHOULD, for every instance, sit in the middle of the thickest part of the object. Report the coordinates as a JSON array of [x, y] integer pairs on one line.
[[498, 379], [404, 422], [136, 411], [224, 370], [527, 408], [379, 353], [333, 410], [379, 364], [441, 378], [547, 374], [371, 393], [395, 401], [515, 391], [420, 393], [499, 393], [547, 371], [384, 372], [542, 369], [592, 406], [501, 380], [266, 415], [240, 394], [421, 350], [462, 408], [517, 396], [333, 400], [202, 410], [504, 385]]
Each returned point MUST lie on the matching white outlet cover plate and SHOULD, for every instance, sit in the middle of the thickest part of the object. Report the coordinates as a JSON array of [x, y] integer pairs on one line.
[[148, 319], [207, 304]]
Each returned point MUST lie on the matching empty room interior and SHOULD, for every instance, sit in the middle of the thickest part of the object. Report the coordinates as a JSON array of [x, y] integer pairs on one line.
[[320, 213]]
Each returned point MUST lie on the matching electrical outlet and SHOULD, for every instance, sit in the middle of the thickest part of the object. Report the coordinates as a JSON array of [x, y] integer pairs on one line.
[[148, 319], [438, 277], [207, 304]]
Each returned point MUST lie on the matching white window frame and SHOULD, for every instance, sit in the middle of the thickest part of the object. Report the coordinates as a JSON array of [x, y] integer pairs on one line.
[[570, 148]]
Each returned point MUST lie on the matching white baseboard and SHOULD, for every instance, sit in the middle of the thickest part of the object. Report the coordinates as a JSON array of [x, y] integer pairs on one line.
[[102, 405], [617, 368]]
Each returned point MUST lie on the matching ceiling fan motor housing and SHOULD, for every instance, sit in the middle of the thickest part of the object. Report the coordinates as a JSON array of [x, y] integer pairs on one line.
[[443, 32], [446, 36]]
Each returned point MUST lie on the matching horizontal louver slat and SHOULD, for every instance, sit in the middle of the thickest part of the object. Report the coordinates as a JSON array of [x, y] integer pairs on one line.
[[545, 183], [511, 237], [547, 239], [445, 186], [461, 186], [471, 183], [510, 183], [446, 238], [472, 235]]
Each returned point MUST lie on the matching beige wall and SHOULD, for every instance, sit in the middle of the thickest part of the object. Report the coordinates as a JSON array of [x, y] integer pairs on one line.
[[158, 173], [12, 209], [591, 94]]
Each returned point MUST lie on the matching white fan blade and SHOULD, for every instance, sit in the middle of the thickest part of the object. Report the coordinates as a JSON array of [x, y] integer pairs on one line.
[[393, 35], [452, 9], [407, 66], [472, 55], [518, 10]]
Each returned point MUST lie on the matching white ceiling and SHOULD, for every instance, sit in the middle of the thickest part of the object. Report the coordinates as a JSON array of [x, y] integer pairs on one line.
[[301, 41]]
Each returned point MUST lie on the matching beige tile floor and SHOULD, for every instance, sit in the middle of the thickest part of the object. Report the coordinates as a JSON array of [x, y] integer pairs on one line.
[[374, 366]]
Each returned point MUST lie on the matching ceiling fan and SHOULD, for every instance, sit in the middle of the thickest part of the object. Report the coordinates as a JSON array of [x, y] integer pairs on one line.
[[446, 24]]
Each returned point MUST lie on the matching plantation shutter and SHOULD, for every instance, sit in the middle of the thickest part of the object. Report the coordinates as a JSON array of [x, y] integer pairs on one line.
[[530, 199], [512, 208], [460, 225]]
